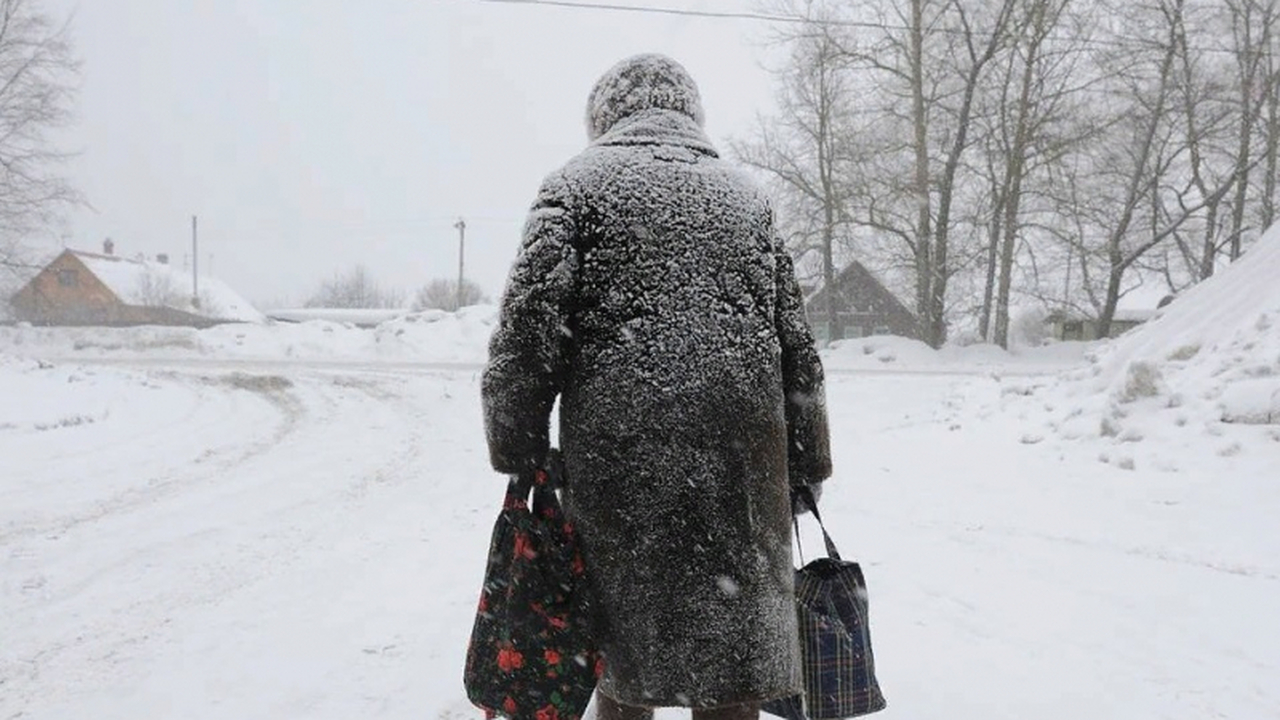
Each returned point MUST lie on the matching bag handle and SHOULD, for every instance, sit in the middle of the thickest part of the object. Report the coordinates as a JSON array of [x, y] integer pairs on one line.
[[520, 484], [543, 481], [805, 494]]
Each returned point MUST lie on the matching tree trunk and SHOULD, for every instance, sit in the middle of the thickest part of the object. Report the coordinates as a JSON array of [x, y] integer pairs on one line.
[[1007, 246], [937, 329], [923, 254], [1117, 263], [1272, 148], [1210, 255], [993, 248], [1015, 171], [830, 199], [829, 281], [1272, 130], [1111, 300], [1242, 163]]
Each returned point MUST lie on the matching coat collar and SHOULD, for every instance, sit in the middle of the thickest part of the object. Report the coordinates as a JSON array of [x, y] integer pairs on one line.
[[658, 127]]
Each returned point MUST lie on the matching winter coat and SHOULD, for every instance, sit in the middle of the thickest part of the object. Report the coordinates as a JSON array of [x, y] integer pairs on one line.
[[652, 297]]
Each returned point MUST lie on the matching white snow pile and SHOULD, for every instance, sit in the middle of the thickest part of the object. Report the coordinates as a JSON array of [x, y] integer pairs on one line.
[[892, 352], [1209, 361], [343, 316], [1217, 348], [430, 336], [444, 336], [41, 397], [463, 337]]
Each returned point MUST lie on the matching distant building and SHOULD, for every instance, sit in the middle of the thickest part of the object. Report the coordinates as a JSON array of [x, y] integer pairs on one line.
[[863, 306], [82, 288], [1072, 326], [1064, 325]]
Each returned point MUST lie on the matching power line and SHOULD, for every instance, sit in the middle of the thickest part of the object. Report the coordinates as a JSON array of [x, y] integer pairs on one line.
[[721, 15], [799, 20]]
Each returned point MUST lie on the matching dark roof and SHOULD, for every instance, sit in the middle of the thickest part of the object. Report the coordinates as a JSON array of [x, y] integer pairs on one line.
[[857, 273]]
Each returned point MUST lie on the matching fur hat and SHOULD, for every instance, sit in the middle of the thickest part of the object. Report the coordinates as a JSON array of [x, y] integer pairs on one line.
[[641, 82]]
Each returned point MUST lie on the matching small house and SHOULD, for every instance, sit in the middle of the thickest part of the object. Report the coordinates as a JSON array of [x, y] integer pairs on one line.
[[863, 307], [1132, 312], [83, 288], [1070, 326]]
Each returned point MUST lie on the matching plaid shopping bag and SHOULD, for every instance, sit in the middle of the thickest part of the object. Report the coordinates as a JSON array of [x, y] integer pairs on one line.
[[532, 656], [835, 639]]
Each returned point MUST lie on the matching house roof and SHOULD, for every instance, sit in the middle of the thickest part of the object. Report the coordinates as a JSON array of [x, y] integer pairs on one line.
[[856, 268], [1144, 296], [144, 283], [1137, 304]]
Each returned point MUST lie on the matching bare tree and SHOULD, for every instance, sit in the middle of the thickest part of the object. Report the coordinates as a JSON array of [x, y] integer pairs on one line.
[[925, 64], [355, 289], [1065, 151], [1159, 171], [1231, 106], [442, 294], [38, 75], [1207, 118], [1271, 133], [1031, 137], [800, 148], [980, 47], [157, 289], [1252, 23], [1132, 157]]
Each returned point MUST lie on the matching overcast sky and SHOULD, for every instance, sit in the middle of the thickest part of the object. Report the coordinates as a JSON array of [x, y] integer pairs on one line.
[[310, 135]]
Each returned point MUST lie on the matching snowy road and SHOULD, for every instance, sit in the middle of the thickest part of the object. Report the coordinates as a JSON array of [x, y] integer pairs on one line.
[[246, 550], [277, 365], [284, 540]]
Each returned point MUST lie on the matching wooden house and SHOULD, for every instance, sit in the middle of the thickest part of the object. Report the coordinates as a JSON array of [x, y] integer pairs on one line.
[[863, 306], [82, 288], [1135, 309]]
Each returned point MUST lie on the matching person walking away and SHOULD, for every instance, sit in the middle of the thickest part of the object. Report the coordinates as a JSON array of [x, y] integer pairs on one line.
[[653, 297]]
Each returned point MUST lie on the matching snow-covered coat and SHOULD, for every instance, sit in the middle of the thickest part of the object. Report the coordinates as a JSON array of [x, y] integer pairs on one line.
[[652, 297]]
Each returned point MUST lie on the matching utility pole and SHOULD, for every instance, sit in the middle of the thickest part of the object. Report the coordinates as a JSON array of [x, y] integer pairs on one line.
[[195, 265], [462, 244]]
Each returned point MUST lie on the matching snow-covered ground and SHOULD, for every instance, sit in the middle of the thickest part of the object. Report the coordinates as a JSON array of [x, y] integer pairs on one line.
[[430, 336], [290, 521]]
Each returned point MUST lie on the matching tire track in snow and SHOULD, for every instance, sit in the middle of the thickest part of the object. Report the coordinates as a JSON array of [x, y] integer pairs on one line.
[[312, 441], [216, 461]]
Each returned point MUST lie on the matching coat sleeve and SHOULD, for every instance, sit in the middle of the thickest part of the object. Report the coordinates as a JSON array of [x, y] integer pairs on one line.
[[808, 444], [528, 349]]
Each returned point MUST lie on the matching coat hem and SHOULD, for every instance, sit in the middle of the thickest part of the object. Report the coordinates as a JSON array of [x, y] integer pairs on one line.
[[674, 702]]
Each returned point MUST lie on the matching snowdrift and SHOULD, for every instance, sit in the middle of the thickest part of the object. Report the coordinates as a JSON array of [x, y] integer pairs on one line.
[[463, 337], [431, 336], [1216, 348], [891, 352]]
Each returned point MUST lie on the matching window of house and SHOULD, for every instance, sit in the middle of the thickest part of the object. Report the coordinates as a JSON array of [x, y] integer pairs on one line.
[[68, 278]]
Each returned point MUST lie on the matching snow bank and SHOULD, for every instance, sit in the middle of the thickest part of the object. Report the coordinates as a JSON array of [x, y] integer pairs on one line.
[[352, 316], [1200, 379], [431, 336], [1216, 350], [445, 337], [463, 337], [41, 397], [886, 351]]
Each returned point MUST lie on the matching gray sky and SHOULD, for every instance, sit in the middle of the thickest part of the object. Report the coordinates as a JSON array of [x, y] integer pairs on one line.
[[310, 135]]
